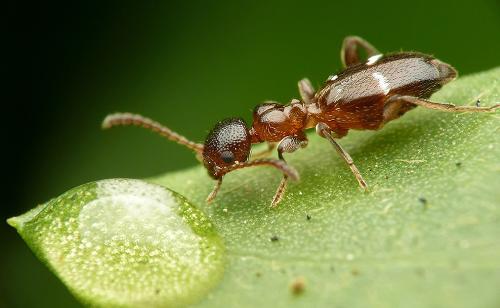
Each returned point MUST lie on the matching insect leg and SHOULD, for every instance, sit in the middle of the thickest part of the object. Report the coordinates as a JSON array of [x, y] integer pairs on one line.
[[306, 90], [264, 153], [288, 144], [394, 109], [279, 164], [324, 131], [442, 106], [349, 53]]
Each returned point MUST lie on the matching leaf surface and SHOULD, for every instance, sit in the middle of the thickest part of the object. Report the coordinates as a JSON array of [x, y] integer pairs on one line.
[[425, 235]]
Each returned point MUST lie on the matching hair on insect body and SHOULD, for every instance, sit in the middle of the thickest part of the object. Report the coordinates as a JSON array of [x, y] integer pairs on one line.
[[365, 95]]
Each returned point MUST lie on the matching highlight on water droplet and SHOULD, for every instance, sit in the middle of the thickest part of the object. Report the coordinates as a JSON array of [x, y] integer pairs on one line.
[[126, 243]]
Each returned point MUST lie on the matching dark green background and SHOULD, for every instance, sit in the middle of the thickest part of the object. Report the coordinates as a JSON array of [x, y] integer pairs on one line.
[[186, 64]]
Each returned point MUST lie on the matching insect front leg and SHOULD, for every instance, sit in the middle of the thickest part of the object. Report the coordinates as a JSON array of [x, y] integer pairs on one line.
[[349, 53], [440, 106], [288, 144], [306, 90], [324, 131], [264, 153]]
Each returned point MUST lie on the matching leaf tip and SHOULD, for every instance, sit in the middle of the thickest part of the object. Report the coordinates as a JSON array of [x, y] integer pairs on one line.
[[18, 221], [14, 222]]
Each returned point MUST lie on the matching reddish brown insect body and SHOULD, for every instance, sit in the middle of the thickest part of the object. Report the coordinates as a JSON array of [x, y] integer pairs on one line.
[[365, 95]]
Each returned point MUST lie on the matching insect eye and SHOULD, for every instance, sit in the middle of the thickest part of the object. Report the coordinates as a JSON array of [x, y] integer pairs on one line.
[[227, 157]]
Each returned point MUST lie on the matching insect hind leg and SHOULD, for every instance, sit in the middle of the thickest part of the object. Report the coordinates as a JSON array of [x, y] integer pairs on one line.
[[440, 106], [396, 108], [350, 47]]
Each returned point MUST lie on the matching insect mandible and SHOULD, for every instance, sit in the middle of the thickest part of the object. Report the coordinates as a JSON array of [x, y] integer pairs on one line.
[[364, 96]]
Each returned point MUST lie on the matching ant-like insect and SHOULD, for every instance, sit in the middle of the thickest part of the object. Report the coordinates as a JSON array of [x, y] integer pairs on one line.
[[365, 95]]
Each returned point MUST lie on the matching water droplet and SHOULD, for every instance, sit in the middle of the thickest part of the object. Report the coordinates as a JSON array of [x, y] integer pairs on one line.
[[126, 242]]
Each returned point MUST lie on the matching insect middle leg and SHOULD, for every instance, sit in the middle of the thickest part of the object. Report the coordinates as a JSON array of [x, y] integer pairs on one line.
[[306, 90], [288, 144], [349, 53], [438, 106], [324, 131]]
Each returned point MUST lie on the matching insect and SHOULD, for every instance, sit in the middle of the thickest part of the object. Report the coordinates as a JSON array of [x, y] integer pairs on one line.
[[364, 96]]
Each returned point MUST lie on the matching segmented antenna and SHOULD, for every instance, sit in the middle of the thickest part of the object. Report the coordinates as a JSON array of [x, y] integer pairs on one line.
[[126, 119], [214, 192], [287, 170], [276, 163]]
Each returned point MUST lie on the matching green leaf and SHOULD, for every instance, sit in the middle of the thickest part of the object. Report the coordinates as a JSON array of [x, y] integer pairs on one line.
[[425, 235], [385, 248]]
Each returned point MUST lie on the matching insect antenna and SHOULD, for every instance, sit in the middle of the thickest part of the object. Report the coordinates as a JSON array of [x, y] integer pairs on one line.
[[127, 119], [214, 191], [288, 171], [276, 163]]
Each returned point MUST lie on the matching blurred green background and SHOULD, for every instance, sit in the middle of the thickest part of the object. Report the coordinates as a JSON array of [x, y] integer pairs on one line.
[[186, 64]]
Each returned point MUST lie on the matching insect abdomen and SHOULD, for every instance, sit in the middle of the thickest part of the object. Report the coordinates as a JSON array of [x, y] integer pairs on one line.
[[355, 98]]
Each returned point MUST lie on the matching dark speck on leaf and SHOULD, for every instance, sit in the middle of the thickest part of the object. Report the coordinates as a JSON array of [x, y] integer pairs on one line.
[[420, 272], [422, 200], [458, 164], [298, 285], [308, 217], [355, 272], [258, 274], [274, 238], [478, 103], [157, 291]]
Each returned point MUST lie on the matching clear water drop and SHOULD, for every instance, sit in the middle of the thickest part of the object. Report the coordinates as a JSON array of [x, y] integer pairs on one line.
[[126, 243]]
